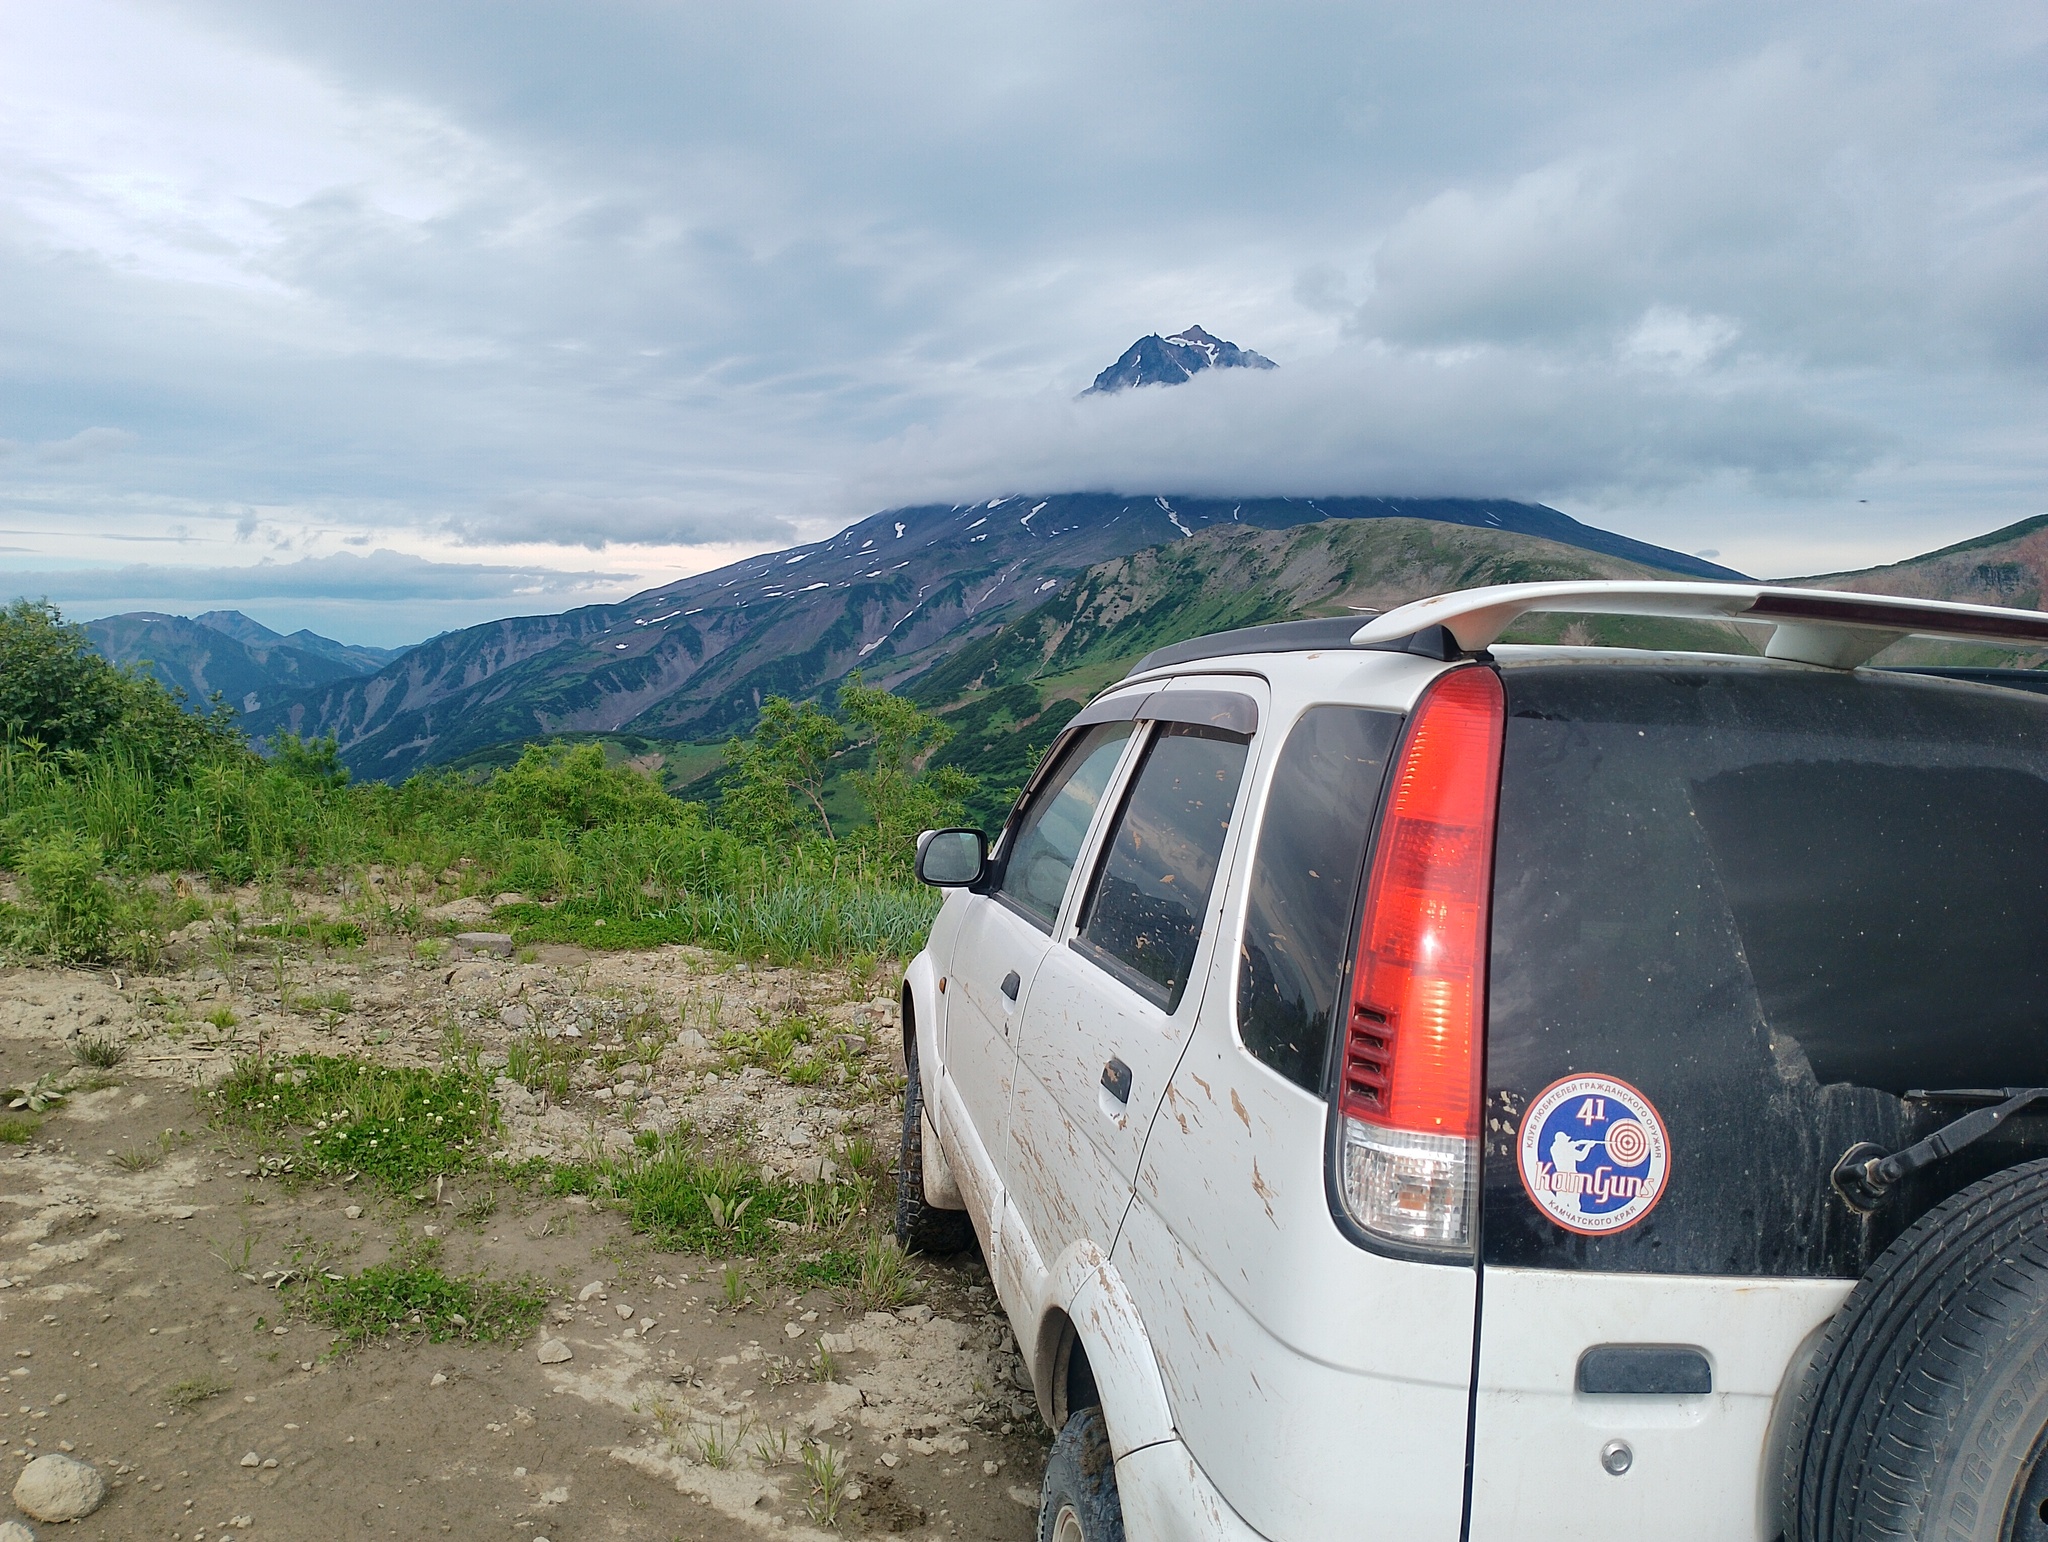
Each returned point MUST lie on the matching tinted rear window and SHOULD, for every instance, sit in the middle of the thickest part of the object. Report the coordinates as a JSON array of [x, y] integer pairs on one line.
[[1773, 902], [1297, 921]]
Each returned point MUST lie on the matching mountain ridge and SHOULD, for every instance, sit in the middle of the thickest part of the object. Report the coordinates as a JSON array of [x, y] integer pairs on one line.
[[891, 594], [225, 651]]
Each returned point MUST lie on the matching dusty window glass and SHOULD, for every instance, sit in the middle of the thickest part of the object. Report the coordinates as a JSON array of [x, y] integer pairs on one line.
[[1145, 917], [1774, 903], [1319, 811], [1049, 834]]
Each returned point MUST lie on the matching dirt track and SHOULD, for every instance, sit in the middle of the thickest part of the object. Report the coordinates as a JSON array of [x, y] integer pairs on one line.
[[142, 1322]]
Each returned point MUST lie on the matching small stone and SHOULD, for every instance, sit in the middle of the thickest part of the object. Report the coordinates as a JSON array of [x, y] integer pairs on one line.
[[183, 1212], [499, 943], [439, 1379], [594, 1288], [60, 1488], [890, 1458], [353, 1212], [794, 1329], [251, 1459], [14, 1531], [516, 1016], [918, 1314], [270, 1461], [837, 1343], [554, 1352], [625, 1312], [990, 1469]]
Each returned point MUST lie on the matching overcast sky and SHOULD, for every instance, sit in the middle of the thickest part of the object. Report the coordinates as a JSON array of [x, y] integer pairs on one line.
[[530, 304]]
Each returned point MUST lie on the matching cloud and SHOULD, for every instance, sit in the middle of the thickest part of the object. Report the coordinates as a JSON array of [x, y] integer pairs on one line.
[[382, 576], [1373, 420], [599, 275], [594, 522]]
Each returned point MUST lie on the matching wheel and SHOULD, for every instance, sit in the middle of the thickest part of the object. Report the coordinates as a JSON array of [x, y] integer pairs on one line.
[[1078, 1502], [921, 1226], [1925, 1415]]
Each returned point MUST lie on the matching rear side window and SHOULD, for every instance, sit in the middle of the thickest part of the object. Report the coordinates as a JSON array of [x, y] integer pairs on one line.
[[1774, 903], [1144, 920], [1050, 831], [1319, 811]]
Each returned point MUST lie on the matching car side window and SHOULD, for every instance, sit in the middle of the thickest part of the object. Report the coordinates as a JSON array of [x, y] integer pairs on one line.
[[1319, 813], [1144, 918], [1046, 841]]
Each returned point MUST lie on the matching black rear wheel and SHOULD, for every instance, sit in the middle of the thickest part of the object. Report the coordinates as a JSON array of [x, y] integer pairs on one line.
[[1926, 1413], [1079, 1502], [921, 1226]]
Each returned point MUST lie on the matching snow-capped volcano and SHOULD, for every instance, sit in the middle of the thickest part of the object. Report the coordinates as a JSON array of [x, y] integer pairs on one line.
[[1157, 360]]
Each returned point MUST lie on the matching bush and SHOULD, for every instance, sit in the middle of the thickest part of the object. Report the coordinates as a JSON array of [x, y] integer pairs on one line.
[[557, 787], [57, 693], [70, 914]]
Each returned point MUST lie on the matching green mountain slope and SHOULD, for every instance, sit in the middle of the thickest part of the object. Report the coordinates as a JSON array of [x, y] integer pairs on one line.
[[1007, 694]]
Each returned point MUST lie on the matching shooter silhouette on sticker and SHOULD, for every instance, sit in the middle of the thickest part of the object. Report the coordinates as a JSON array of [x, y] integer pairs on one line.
[[1593, 1154]]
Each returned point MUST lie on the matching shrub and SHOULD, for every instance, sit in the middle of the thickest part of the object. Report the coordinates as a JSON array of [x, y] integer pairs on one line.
[[70, 915]]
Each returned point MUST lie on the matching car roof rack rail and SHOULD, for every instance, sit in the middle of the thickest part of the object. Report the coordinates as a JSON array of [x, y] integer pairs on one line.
[[1833, 628]]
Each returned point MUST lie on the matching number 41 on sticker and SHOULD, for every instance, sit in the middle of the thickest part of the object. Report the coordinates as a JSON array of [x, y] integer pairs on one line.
[[1593, 1111]]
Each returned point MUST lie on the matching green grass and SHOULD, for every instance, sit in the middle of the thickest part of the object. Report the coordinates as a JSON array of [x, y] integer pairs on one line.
[[412, 1296], [325, 934], [137, 786], [194, 1391], [688, 1202], [396, 1125], [17, 1131], [101, 1054]]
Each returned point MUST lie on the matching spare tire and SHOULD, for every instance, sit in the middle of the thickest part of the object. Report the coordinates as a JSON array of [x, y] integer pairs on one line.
[[1923, 1416]]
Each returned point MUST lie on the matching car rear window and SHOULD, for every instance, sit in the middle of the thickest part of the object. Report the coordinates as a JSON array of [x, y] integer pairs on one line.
[[1297, 923], [1772, 903]]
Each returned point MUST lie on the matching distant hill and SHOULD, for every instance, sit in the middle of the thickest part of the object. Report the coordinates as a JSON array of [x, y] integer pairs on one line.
[[223, 650], [894, 595], [1007, 694], [1157, 360], [2008, 566]]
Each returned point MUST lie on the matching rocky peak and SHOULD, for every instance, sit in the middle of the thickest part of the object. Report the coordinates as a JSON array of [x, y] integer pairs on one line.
[[1157, 360]]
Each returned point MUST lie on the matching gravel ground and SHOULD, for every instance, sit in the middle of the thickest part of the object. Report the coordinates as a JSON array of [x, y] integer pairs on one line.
[[150, 1265]]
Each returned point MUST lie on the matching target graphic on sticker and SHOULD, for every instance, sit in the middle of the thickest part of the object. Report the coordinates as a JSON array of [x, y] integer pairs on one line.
[[1593, 1154]]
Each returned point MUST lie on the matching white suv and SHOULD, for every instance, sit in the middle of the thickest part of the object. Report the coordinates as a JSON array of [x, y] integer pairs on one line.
[[1407, 1087]]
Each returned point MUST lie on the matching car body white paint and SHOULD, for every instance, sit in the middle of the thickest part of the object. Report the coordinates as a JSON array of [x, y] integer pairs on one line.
[[1262, 1375]]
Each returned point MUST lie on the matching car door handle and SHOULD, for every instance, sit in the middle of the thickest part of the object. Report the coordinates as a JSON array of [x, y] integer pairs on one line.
[[1116, 1080], [1011, 985]]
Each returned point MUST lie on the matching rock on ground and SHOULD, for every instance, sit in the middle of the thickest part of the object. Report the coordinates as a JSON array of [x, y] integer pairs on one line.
[[60, 1488], [14, 1531]]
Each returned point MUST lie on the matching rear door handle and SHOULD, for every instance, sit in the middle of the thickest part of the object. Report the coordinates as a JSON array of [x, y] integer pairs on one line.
[[1116, 1080], [1011, 985]]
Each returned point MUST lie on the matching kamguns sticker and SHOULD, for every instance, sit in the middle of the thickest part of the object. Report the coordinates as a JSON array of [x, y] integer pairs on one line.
[[1593, 1154]]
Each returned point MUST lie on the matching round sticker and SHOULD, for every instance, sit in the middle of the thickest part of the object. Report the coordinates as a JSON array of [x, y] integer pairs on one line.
[[1593, 1154]]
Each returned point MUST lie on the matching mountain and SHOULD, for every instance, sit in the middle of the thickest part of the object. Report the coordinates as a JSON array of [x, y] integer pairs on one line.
[[1157, 360], [893, 595], [2004, 567], [224, 651], [260, 640], [1008, 693]]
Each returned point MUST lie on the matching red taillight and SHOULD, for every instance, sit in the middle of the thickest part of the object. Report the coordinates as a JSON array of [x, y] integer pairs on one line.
[[1411, 1051]]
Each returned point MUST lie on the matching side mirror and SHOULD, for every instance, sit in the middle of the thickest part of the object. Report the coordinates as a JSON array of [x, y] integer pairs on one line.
[[951, 859]]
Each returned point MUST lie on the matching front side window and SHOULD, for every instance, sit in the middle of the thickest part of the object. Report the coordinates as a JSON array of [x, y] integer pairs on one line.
[[1047, 840], [1319, 812], [1144, 920]]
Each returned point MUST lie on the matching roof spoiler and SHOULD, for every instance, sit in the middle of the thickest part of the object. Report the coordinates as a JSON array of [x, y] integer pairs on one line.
[[1828, 627]]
